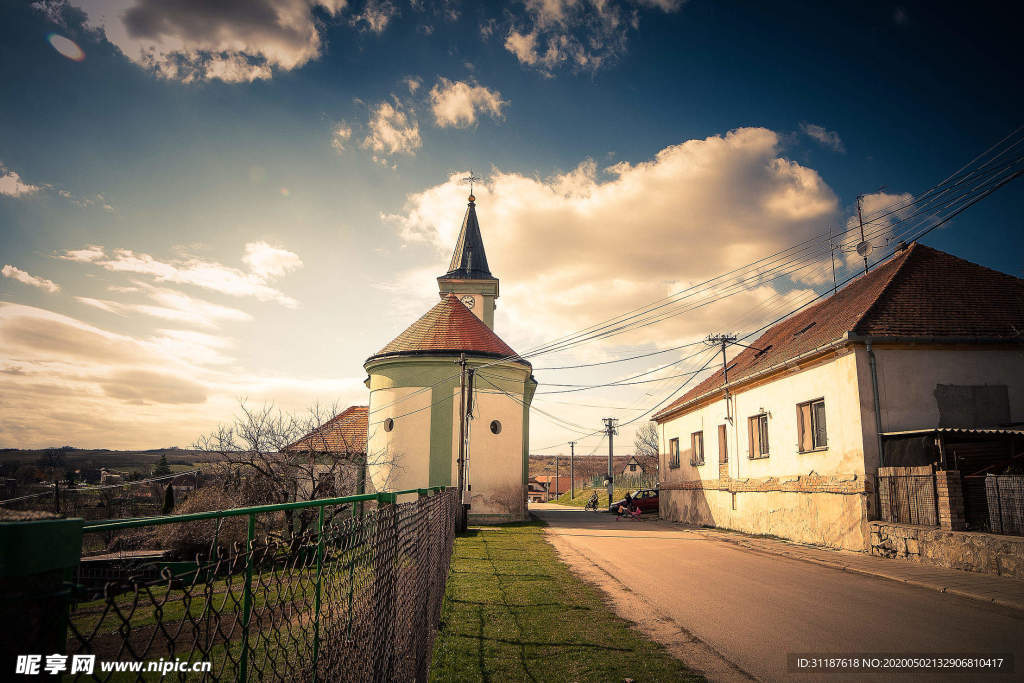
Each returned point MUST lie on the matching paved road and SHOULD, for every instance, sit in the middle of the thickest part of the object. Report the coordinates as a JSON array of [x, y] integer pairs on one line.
[[754, 608]]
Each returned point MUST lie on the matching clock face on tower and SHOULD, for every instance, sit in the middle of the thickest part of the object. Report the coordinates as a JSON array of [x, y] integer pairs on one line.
[[468, 301]]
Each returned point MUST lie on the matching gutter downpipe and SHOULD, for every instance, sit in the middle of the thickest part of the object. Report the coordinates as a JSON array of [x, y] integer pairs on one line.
[[873, 364]]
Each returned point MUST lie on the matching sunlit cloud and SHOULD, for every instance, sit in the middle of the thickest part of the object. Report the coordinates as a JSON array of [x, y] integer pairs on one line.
[[266, 263], [11, 184], [575, 247], [66, 47], [195, 40], [341, 135], [456, 103], [21, 276], [826, 138], [169, 304], [552, 34], [393, 129], [376, 16], [67, 381]]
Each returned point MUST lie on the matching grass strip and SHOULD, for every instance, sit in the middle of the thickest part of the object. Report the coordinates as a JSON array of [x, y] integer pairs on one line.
[[514, 612]]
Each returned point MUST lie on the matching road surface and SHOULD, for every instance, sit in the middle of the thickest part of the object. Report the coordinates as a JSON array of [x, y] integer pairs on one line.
[[751, 608]]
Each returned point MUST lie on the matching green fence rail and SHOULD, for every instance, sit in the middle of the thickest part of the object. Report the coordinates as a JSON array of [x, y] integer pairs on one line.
[[333, 589]]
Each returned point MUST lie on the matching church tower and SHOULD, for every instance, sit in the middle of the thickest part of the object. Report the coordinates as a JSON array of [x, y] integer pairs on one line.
[[468, 276], [413, 419]]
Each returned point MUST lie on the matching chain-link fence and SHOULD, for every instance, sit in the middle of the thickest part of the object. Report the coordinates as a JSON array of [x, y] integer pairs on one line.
[[352, 594]]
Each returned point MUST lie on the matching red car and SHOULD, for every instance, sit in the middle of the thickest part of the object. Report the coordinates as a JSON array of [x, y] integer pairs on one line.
[[645, 500]]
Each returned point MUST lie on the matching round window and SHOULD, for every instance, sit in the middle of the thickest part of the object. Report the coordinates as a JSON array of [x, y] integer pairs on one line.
[[495, 427], [389, 424]]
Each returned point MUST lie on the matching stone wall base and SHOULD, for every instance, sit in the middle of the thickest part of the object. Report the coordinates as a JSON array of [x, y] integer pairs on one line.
[[834, 520], [965, 550], [495, 518]]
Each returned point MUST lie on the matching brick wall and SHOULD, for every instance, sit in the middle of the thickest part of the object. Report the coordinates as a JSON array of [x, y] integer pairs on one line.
[[950, 500]]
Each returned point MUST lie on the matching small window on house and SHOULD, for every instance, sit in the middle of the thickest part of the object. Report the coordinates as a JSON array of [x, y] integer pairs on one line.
[[757, 426], [632, 468], [495, 427], [389, 424], [810, 417], [723, 448], [673, 452], [697, 449]]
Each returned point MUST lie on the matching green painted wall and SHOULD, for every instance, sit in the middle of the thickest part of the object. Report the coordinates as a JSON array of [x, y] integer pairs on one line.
[[441, 373]]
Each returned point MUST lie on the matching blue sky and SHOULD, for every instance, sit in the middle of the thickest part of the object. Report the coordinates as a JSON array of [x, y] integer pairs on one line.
[[250, 199]]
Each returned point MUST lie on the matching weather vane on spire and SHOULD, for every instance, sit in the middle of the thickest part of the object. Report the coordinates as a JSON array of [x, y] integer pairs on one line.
[[471, 179]]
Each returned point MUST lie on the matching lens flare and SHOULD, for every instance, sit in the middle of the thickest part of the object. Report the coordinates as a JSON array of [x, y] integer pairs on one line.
[[66, 47]]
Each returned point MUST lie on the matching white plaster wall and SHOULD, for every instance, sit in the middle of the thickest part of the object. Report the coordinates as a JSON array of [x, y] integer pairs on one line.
[[399, 459], [907, 379], [833, 378], [830, 519], [495, 460]]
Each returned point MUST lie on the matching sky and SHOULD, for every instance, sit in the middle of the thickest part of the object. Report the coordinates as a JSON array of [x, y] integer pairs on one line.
[[209, 202]]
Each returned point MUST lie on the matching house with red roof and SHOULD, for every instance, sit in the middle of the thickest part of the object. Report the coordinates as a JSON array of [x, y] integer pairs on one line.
[[791, 444], [414, 428]]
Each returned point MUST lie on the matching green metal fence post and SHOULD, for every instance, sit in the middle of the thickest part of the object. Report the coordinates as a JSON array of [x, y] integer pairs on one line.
[[385, 586], [39, 554], [243, 664], [319, 574]]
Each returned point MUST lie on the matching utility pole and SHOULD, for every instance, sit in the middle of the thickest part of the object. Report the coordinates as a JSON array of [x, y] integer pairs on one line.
[[572, 469], [723, 340], [461, 522], [557, 489], [863, 248], [611, 431], [832, 253]]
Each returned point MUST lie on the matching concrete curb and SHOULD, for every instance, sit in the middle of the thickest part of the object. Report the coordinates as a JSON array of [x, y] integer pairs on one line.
[[832, 564]]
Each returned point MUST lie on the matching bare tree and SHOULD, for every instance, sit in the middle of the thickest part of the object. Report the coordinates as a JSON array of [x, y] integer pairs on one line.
[[645, 443], [272, 457]]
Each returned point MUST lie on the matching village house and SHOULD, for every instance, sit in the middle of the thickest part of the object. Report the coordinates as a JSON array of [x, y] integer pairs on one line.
[[792, 443], [344, 437]]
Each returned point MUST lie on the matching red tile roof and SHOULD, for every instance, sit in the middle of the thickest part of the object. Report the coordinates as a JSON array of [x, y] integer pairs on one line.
[[920, 294], [343, 433], [448, 327]]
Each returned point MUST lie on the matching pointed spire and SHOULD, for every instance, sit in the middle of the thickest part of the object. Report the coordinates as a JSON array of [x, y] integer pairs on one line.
[[469, 261]]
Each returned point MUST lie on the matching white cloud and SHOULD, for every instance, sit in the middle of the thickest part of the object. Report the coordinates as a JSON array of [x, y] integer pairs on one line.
[[342, 134], [581, 246], [582, 36], [170, 305], [393, 129], [376, 16], [269, 261], [11, 184], [413, 83], [102, 389], [826, 138], [190, 40], [30, 280], [266, 263], [456, 103]]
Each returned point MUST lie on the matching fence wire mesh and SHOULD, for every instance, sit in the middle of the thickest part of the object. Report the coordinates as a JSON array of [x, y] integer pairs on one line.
[[906, 495], [352, 596], [1005, 497]]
